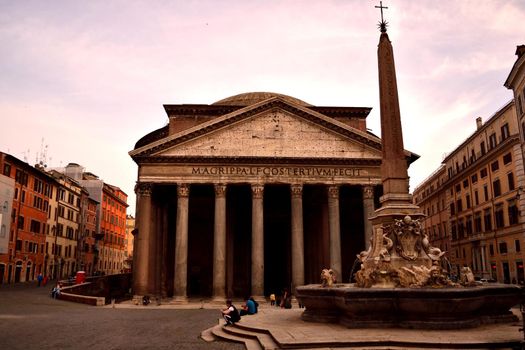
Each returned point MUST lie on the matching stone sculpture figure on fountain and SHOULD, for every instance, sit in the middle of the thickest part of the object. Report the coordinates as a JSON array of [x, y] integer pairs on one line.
[[401, 256]]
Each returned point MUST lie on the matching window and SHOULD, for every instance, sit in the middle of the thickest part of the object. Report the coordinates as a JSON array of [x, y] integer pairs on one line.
[[452, 209], [482, 146], [60, 230], [458, 188], [20, 222], [513, 213], [494, 166], [21, 177], [505, 131], [483, 173], [497, 188], [491, 250], [510, 179], [474, 178], [487, 218], [461, 228], [477, 222], [18, 244], [7, 170], [503, 247], [476, 197], [469, 225], [34, 226], [492, 141], [517, 245], [498, 213], [507, 158], [453, 230], [486, 192], [467, 200], [520, 107], [459, 205], [465, 183]]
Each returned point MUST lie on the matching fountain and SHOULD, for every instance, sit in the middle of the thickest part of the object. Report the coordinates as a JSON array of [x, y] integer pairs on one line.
[[401, 282]]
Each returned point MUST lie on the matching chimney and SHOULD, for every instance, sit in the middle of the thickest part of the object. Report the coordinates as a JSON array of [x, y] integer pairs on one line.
[[520, 50], [478, 123]]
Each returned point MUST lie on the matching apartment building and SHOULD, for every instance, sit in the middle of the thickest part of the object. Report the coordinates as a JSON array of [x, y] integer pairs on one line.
[[113, 227], [472, 200], [65, 224], [33, 190]]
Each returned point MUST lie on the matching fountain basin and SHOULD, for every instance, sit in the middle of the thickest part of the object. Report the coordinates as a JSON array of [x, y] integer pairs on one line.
[[425, 308]]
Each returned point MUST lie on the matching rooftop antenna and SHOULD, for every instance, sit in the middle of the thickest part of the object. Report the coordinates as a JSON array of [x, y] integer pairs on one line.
[[26, 155], [41, 160]]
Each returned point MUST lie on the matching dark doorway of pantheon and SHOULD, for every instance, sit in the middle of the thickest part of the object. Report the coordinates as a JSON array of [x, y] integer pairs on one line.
[[277, 234]]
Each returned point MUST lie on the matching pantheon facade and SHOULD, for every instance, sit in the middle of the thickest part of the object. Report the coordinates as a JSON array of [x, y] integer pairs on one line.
[[252, 194]]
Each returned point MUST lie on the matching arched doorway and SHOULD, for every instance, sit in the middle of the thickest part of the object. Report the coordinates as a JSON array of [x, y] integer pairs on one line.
[[18, 271]]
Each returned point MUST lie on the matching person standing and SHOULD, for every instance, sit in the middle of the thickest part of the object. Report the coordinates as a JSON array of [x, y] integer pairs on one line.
[[40, 278]]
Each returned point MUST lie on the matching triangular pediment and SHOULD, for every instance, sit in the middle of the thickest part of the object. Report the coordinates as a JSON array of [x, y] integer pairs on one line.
[[273, 128]]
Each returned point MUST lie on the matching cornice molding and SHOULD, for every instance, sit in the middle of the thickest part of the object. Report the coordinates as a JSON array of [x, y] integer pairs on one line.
[[257, 160]]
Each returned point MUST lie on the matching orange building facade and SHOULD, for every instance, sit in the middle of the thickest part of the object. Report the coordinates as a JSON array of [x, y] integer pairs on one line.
[[113, 227], [25, 257]]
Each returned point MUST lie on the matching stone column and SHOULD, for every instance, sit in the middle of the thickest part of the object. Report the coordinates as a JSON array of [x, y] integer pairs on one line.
[[257, 241], [181, 245], [219, 244], [368, 211], [142, 267], [335, 230], [297, 237]]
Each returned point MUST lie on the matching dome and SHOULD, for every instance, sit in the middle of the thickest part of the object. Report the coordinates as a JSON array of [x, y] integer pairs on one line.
[[251, 98]]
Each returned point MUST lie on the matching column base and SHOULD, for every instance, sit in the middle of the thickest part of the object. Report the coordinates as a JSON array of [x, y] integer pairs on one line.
[[261, 299], [179, 300], [145, 300]]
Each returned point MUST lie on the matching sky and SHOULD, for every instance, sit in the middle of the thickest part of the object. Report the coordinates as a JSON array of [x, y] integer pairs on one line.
[[82, 81]]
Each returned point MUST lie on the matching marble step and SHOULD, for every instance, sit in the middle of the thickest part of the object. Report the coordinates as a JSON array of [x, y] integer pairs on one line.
[[265, 340], [249, 343]]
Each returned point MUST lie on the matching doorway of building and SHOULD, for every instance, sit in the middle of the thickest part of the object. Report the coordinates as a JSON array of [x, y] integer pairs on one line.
[[506, 273], [18, 271]]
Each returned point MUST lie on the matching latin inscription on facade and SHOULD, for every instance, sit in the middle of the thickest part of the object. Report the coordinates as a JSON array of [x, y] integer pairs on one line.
[[277, 171]]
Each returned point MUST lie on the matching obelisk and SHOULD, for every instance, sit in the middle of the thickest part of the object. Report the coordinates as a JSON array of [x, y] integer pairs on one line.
[[399, 246], [396, 200]]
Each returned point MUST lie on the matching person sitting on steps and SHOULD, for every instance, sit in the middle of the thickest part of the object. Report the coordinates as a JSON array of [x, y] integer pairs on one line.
[[230, 313]]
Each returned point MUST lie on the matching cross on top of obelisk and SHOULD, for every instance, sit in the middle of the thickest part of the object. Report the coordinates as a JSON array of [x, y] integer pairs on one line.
[[382, 25]]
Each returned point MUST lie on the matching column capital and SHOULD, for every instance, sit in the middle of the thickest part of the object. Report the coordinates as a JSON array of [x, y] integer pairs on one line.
[[220, 190], [183, 190], [143, 188], [368, 192], [333, 191], [257, 190], [297, 190]]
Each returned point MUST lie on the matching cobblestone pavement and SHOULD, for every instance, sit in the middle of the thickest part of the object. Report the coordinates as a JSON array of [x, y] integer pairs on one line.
[[31, 319]]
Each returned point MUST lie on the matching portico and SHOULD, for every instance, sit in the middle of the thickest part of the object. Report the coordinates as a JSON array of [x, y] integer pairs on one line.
[[252, 194]]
